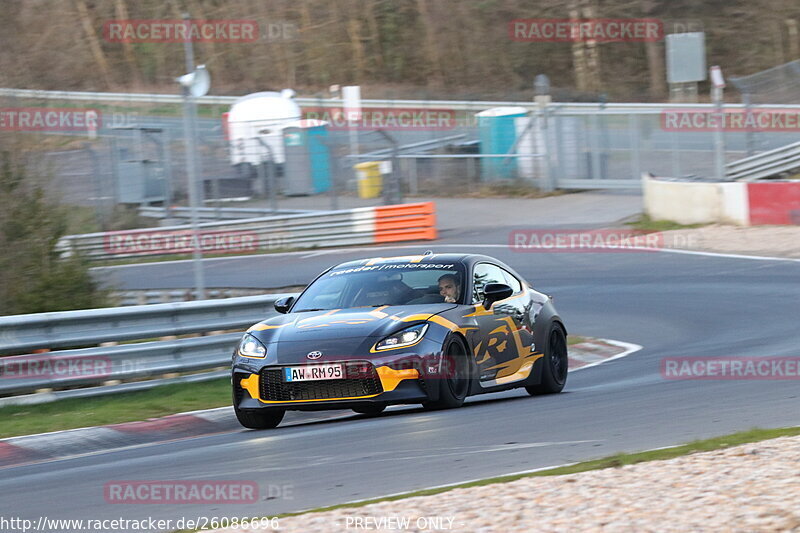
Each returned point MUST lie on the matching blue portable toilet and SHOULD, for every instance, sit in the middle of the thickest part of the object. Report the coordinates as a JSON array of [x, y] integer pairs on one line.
[[498, 133], [308, 169]]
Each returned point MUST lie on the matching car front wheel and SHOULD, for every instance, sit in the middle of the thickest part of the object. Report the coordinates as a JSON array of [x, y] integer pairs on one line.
[[455, 378], [260, 418]]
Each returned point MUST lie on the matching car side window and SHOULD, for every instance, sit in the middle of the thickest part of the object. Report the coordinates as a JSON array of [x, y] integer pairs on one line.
[[511, 281], [485, 273]]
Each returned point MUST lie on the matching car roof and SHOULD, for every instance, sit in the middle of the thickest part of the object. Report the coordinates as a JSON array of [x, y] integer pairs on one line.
[[464, 259]]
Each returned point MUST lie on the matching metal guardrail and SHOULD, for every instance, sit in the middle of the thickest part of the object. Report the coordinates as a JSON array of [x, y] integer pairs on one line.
[[19, 333], [97, 365], [222, 213], [326, 228], [349, 227], [150, 297], [766, 164]]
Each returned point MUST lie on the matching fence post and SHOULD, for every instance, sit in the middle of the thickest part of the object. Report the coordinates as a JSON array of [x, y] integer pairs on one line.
[[549, 183], [676, 155], [636, 161], [98, 186], [270, 175], [166, 157], [595, 147]]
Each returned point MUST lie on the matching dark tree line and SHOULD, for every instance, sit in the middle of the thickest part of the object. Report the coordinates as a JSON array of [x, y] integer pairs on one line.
[[394, 48]]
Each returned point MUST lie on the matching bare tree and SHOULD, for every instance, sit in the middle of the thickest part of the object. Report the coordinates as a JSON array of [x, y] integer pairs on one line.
[[94, 43]]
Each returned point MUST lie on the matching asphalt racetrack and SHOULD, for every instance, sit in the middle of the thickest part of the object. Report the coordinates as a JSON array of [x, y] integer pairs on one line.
[[671, 304]]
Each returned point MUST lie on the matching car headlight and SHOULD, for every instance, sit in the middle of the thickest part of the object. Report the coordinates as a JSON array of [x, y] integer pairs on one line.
[[402, 338], [249, 346]]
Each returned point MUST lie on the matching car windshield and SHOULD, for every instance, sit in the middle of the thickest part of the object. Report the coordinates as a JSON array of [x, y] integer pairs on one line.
[[385, 284]]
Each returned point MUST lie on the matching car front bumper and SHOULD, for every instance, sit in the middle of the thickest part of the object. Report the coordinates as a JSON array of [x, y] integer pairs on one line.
[[398, 380]]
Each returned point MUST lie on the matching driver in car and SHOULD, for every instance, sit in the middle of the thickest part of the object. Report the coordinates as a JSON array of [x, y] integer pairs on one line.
[[449, 288]]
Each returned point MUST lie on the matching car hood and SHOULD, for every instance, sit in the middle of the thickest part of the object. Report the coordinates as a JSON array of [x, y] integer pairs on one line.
[[357, 322]]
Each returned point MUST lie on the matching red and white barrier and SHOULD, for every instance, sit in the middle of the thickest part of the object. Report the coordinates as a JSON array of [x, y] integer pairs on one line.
[[774, 203], [740, 203]]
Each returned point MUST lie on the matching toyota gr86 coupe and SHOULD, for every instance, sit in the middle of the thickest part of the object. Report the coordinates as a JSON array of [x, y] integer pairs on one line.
[[429, 329]]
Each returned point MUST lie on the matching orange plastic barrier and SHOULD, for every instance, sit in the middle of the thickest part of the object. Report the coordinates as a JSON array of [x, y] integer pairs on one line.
[[405, 222]]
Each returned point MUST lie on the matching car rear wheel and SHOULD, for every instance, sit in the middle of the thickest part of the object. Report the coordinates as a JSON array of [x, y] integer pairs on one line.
[[259, 419], [555, 361], [455, 377]]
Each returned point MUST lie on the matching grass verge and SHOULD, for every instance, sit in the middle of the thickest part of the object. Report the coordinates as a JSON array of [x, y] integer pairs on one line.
[[125, 407], [645, 223], [576, 339], [614, 461], [511, 189]]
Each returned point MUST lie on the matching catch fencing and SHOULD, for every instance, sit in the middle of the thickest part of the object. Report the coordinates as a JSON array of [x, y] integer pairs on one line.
[[137, 155]]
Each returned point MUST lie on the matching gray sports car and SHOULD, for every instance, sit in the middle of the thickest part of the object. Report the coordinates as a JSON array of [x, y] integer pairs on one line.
[[429, 329]]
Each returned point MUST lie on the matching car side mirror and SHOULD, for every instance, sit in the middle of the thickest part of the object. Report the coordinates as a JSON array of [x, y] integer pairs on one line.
[[494, 292], [282, 305]]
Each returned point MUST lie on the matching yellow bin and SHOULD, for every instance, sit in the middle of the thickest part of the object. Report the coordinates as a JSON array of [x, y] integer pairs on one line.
[[370, 181]]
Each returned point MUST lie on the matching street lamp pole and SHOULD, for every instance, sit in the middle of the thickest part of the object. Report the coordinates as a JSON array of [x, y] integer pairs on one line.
[[190, 132]]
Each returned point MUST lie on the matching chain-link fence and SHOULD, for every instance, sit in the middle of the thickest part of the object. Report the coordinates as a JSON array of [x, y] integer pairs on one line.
[[777, 85], [136, 153]]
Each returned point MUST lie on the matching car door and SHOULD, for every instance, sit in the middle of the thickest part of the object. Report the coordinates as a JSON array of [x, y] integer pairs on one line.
[[504, 349]]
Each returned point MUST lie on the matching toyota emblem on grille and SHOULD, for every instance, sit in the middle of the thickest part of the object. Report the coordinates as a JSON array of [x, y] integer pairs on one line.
[[314, 355]]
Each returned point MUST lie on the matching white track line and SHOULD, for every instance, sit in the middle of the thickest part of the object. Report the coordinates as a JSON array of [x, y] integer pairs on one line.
[[307, 254]]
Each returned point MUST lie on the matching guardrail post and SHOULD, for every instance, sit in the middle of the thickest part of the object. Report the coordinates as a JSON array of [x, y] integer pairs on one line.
[[719, 141]]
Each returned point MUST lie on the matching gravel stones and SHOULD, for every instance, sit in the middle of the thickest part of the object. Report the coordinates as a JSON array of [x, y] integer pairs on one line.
[[749, 488]]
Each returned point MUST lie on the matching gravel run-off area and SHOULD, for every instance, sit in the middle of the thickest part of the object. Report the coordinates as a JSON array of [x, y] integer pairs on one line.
[[771, 241], [749, 488]]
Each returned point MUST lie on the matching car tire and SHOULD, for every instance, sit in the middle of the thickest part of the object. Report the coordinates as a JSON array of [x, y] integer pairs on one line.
[[259, 419], [370, 410], [555, 364], [454, 387]]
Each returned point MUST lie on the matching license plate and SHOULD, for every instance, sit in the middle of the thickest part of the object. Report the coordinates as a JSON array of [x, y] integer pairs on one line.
[[313, 372]]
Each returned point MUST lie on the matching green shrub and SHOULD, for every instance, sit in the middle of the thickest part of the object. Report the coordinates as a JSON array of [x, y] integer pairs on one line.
[[33, 276]]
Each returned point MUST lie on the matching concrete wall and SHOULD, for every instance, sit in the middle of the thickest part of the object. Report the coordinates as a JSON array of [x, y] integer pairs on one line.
[[681, 201]]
